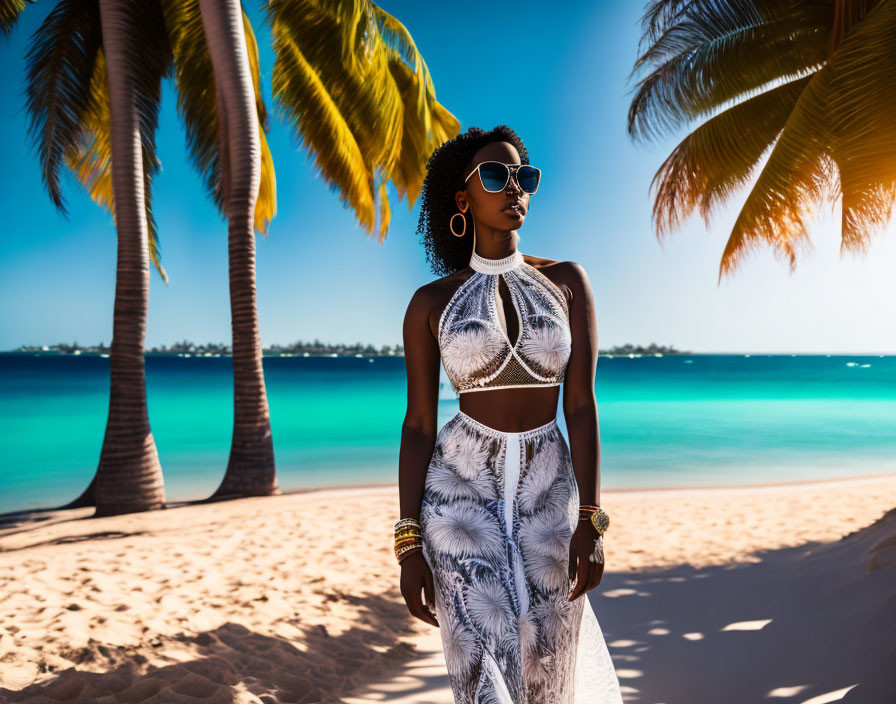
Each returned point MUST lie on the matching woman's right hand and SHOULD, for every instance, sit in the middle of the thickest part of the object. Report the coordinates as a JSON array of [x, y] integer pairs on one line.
[[416, 577]]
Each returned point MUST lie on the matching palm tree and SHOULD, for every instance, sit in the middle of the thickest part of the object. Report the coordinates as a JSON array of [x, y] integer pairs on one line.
[[93, 102], [809, 83], [250, 468], [361, 99], [129, 477], [356, 89], [217, 78], [71, 123]]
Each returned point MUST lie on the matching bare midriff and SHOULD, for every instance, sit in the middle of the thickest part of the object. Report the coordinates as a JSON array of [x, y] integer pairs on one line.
[[512, 410]]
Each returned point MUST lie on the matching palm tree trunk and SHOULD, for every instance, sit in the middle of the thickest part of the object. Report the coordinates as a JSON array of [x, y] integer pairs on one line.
[[129, 476], [250, 468]]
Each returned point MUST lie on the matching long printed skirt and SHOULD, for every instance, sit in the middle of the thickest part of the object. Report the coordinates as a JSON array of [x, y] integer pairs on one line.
[[498, 513]]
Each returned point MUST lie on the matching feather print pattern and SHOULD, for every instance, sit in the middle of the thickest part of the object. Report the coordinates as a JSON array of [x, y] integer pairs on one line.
[[475, 350], [509, 634]]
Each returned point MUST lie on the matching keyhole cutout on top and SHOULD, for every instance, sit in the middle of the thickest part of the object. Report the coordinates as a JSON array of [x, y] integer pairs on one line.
[[503, 303]]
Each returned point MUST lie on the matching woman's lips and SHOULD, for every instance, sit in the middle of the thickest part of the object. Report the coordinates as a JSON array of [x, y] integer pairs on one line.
[[514, 209]]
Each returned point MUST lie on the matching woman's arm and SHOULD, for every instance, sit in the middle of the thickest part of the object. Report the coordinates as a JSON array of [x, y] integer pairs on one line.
[[580, 410], [418, 432], [418, 435], [579, 401]]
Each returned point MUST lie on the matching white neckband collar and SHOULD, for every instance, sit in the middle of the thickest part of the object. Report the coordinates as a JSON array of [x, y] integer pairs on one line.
[[495, 266]]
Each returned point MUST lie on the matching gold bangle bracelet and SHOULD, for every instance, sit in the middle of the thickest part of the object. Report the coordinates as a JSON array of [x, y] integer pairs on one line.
[[403, 548], [402, 543], [409, 539], [399, 553], [409, 531], [407, 522]]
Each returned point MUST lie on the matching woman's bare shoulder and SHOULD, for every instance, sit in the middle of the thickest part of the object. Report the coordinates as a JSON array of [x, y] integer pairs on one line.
[[566, 267], [430, 300], [567, 275]]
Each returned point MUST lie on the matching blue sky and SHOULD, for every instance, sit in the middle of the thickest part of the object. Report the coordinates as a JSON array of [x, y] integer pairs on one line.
[[320, 276]]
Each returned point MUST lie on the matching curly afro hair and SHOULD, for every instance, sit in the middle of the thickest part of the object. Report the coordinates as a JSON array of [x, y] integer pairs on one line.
[[444, 177]]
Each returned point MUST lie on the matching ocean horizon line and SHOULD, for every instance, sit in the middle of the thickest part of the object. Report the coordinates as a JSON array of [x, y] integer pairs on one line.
[[267, 353]]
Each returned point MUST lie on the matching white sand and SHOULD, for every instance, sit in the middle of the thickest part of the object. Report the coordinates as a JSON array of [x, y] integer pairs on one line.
[[294, 598]]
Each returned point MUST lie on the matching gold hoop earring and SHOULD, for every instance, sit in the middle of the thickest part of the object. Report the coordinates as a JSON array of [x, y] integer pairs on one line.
[[451, 223]]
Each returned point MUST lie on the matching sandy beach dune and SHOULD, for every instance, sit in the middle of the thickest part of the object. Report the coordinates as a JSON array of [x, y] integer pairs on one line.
[[784, 594]]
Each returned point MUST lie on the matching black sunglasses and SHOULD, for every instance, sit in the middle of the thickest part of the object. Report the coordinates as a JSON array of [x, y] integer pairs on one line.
[[495, 176]]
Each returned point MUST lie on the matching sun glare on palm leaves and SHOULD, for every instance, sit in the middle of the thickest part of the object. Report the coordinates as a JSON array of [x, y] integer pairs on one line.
[[809, 84], [349, 78]]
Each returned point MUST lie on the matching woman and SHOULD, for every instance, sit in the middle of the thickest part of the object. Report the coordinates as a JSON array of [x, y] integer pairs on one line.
[[498, 521]]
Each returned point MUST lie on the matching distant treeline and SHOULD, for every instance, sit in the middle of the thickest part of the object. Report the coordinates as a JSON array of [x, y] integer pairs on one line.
[[310, 349], [304, 349]]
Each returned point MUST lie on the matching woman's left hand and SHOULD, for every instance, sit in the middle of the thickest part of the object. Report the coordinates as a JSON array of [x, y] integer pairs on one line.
[[587, 573]]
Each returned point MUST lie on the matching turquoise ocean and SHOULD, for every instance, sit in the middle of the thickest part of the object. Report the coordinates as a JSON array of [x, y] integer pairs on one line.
[[676, 420]]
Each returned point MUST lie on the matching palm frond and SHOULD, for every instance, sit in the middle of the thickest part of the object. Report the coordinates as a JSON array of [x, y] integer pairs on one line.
[[427, 125], [658, 16], [9, 13], [702, 23], [837, 141], [90, 157], [378, 91], [322, 129], [366, 97], [68, 104], [383, 210], [266, 205], [795, 179], [718, 157], [194, 81], [717, 52], [860, 103], [397, 37], [351, 22], [197, 105], [60, 61]]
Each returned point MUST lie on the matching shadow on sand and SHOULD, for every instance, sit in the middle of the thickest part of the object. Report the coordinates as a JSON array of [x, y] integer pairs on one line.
[[804, 623], [234, 661]]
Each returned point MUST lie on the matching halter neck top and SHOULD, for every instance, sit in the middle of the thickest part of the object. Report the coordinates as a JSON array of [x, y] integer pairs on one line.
[[477, 353]]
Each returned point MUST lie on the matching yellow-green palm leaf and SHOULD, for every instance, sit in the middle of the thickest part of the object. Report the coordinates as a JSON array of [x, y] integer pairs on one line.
[[9, 13], [266, 206], [321, 126], [427, 125], [350, 80]]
